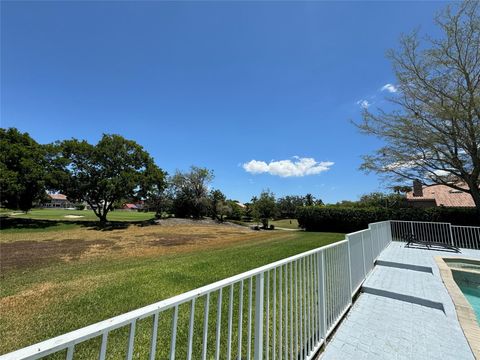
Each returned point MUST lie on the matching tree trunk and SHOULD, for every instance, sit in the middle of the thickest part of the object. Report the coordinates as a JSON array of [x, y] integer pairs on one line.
[[103, 218], [265, 223]]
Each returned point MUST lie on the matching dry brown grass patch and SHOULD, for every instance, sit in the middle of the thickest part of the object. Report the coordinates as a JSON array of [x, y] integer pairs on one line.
[[27, 250]]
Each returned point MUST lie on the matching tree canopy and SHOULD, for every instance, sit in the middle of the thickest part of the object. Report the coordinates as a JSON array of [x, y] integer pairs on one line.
[[113, 169], [191, 192], [433, 131], [219, 206], [264, 207], [23, 170]]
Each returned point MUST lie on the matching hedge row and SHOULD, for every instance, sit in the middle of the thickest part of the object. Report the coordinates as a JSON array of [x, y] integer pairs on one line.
[[345, 220]]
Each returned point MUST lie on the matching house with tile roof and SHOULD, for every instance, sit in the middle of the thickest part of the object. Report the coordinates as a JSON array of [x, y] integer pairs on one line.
[[58, 201], [438, 195]]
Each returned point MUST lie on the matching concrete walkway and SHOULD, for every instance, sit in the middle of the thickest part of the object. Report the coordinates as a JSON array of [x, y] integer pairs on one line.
[[404, 312]]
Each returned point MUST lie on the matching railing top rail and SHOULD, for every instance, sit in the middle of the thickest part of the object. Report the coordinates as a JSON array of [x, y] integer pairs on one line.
[[88, 332], [422, 222], [378, 222], [357, 232], [466, 226]]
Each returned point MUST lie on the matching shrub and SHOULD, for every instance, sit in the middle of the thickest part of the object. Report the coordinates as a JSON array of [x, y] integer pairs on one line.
[[79, 206], [334, 219]]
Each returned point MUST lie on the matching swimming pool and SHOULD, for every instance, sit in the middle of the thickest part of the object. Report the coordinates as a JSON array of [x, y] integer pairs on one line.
[[461, 277], [463, 264], [472, 294], [466, 273]]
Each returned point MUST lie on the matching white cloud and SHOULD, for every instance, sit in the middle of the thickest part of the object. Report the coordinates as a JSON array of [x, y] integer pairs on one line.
[[390, 88], [364, 104], [441, 173], [288, 168]]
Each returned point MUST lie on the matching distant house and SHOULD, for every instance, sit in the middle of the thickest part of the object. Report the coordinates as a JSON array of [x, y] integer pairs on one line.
[[140, 204], [243, 206], [130, 207], [438, 195], [58, 201]]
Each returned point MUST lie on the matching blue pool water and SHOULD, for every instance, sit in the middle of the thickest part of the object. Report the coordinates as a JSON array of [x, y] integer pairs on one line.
[[472, 293]]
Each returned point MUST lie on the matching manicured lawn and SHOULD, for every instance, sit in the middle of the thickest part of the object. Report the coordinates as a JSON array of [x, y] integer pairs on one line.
[[285, 223], [80, 215], [57, 281]]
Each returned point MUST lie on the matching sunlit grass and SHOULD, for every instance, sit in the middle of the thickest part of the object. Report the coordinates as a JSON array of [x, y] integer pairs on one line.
[[47, 299]]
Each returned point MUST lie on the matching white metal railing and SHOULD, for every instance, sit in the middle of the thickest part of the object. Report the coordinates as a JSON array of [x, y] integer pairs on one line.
[[467, 237], [283, 310]]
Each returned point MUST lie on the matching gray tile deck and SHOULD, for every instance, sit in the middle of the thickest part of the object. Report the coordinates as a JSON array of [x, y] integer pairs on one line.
[[379, 327]]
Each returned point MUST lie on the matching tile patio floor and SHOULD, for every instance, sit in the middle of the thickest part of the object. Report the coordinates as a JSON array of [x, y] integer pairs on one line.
[[387, 320]]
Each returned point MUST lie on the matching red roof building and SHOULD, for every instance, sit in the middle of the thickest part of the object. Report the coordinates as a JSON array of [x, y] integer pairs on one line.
[[439, 195], [130, 207]]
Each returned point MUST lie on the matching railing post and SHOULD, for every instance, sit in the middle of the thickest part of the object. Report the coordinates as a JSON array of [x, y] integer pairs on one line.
[[259, 292], [321, 294], [451, 234], [363, 258], [389, 232], [349, 268]]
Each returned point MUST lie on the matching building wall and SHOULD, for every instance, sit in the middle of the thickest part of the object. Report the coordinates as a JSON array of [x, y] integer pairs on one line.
[[58, 204]]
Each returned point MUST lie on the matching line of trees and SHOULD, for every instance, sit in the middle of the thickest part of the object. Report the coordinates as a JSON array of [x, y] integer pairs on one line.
[[266, 207], [100, 175], [103, 175], [187, 194], [117, 170]]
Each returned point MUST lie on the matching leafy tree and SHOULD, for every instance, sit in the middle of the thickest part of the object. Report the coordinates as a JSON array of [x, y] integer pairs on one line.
[[191, 192], [287, 206], [378, 199], [375, 200], [160, 200], [113, 169], [310, 200], [223, 210], [433, 131], [264, 208], [401, 189], [23, 170], [219, 207], [249, 213], [345, 203], [237, 212]]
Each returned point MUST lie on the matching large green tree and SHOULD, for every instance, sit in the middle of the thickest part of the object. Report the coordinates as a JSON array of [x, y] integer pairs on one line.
[[113, 169], [264, 207], [23, 170], [433, 131], [191, 192], [287, 205]]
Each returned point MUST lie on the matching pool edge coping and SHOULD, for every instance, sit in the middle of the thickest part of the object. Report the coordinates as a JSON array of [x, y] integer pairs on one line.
[[464, 310]]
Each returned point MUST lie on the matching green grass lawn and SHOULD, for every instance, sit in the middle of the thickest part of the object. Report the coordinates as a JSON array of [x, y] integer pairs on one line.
[[47, 220], [86, 215], [45, 301], [285, 223]]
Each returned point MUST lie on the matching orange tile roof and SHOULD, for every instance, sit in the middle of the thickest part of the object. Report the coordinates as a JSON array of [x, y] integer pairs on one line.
[[57, 196], [443, 196], [130, 206]]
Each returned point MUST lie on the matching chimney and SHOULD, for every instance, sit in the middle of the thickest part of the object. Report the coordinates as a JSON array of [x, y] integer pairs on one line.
[[417, 188]]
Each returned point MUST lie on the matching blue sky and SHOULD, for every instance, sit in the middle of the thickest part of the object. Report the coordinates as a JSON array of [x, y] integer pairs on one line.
[[212, 84]]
